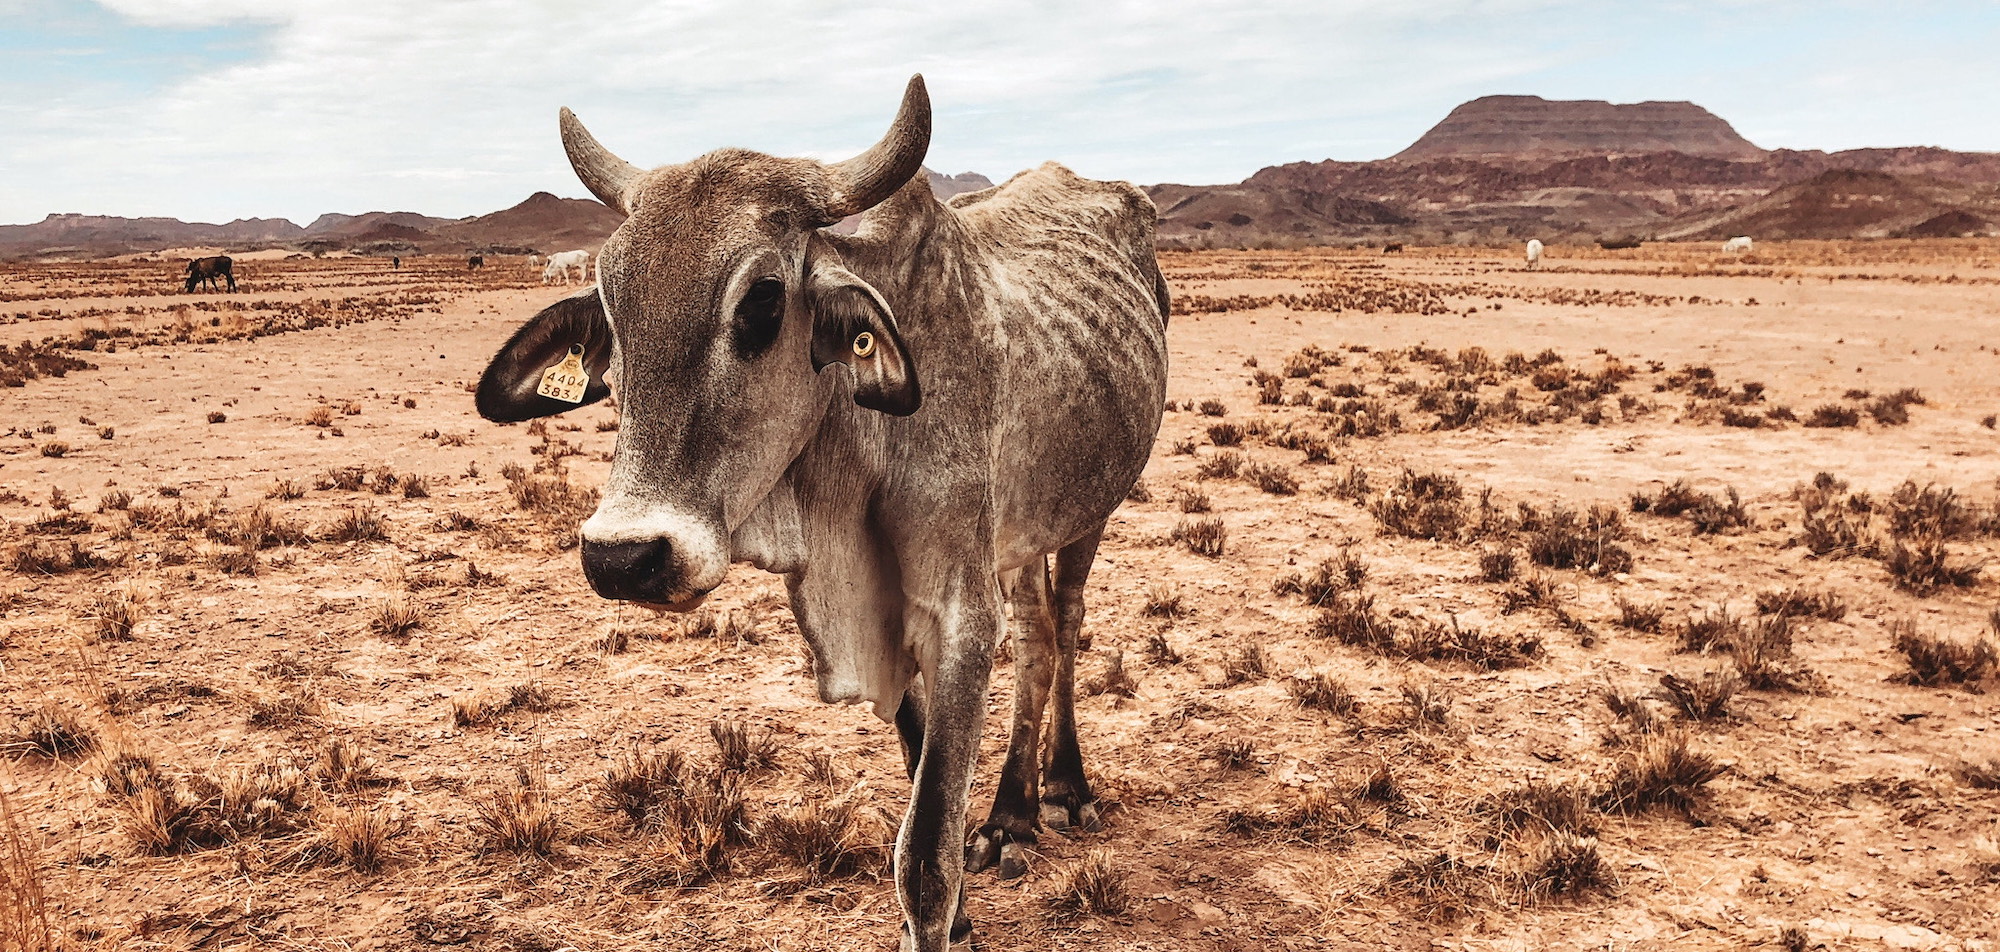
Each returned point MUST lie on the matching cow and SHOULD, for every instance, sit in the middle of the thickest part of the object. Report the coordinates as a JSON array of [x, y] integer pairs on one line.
[[1392, 247], [560, 264], [202, 270], [1534, 253], [396, 262], [1005, 366], [1736, 246], [475, 262]]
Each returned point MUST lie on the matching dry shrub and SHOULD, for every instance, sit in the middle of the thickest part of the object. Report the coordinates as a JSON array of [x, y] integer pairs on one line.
[[115, 613], [166, 814], [1561, 538], [1925, 565], [1422, 506], [1225, 434], [1272, 478], [1317, 815], [1330, 577], [1214, 408], [342, 767], [396, 618], [1660, 770], [1638, 617], [286, 709], [1191, 500], [1204, 537], [1926, 512], [1802, 603], [1540, 806], [1893, 409], [1163, 600], [241, 562], [321, 416], [1223, 465], [1248, 664], [689, 830], [113, 501], [519, 817], [356, 837], [1324, 692], [344, 478], [55, 449], [50, 730], [56, 558], [1982, 773], [739, 750], [826, 840], [1429, 702], [1092, 885], [1235, 753], [1351, 619], [1833, 415], [1498, 566], [1160, 651], [552, 497], [357, 524], [1635, 714], [286, 489], [1443, 886], [260, 528], [1706, 697], [639, 782], [1563, 865], [1936, 661]]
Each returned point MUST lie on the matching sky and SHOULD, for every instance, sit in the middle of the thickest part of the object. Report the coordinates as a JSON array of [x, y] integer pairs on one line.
[[212, 110]]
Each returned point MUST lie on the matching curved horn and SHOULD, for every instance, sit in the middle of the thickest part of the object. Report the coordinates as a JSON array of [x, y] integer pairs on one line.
[[862, 182], [607, 176]]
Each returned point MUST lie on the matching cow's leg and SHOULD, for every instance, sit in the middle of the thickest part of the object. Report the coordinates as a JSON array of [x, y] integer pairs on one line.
[[954, 627], [1066, 796], [1010, 826], [231, 275], [910, 727]]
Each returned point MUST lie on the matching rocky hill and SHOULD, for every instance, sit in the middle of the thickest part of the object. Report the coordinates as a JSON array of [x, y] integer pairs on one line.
[[1531, 125], [1850, 203]]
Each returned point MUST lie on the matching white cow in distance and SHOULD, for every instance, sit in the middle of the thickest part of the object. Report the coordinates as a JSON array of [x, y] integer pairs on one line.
[[1737, 246], [1534, 253], [560, 264]]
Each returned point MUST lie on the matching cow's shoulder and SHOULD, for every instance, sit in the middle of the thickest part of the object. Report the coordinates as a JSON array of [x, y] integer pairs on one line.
[[1052, 205]]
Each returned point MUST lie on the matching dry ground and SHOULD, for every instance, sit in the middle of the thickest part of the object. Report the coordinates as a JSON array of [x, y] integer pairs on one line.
[[296, 652]]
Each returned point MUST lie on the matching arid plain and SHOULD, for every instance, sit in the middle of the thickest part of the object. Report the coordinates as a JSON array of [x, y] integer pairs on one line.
[[1462, 606]]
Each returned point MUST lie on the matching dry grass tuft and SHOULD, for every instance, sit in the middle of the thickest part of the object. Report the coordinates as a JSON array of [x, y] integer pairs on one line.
[[396, 618], [1160, 651], [1205, 537], [639, 782], [519, 817], [1163, 600], [24, 914], [738, 750], [1564, 865], [52, 731], [1443, 886], [1248, 664], [301, 705], [357, 524], [826, 840], [1802, 603], [115, 613], [1933, 660], [1706, 697], [1923, 565], [1114, 681], [1422, 506], [341, 766], [689, 829], [1430, 704], [1324, 692], [1659, 771], [1092, 885], [1540, 806], [1325, 580], [356, 837]]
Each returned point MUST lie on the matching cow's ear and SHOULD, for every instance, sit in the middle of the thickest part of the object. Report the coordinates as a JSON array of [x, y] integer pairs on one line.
[[514, 388], [852, 325]]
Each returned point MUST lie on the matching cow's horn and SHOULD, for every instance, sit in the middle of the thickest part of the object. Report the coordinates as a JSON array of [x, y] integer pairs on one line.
[[607, 176], [862, 182]]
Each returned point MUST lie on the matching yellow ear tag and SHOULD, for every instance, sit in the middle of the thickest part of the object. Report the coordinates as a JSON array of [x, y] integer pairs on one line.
[[864, 344], [567, 380]]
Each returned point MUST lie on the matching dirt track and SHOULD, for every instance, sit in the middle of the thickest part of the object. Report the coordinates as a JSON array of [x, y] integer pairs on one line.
[[1243, 818]]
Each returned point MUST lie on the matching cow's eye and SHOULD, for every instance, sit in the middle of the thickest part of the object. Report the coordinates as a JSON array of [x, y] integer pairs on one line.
[[759, 315]]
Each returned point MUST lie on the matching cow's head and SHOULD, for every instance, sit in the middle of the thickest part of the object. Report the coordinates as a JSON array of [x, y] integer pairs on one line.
[[718, 304]]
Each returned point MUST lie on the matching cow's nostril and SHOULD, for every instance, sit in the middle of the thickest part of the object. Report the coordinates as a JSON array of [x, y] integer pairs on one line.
[[631, 571]]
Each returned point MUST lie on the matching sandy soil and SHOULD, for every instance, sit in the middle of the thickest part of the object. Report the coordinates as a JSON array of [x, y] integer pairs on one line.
[[1841, 807]]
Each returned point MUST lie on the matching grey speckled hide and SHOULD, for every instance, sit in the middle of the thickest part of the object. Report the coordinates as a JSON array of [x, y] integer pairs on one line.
[[1005, 363]]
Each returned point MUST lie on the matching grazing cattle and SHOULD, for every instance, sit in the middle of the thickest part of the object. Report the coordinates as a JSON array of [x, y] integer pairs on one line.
[[475, 262], [902, 517], [560, 264], [1534, 253], [202, 270], [1737, 245], [1392, 247], [396, 263]]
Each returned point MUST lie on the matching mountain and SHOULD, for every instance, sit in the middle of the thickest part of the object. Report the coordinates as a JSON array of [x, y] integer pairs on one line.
[[109, 235], [1531, 125], [945, 186], [1851, 203], [542, 222], [332, 225]]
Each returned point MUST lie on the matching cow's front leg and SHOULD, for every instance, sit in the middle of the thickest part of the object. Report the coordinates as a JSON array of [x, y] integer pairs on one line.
[[953, 631]]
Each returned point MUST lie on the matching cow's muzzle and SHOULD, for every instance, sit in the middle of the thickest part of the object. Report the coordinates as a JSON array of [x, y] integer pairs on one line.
[[644, 571]]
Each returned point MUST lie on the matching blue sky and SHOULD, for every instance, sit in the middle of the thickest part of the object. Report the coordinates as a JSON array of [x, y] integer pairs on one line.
[[263, 108]]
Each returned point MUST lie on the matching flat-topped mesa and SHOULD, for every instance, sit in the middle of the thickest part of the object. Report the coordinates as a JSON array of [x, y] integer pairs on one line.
[[1530, 125]]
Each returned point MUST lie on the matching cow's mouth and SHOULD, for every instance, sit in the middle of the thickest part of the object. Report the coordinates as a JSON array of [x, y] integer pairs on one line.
[[681, 607]]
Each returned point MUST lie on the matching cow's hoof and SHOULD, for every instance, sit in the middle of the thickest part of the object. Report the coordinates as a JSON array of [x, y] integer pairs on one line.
[[996, 847], [1062, 816]]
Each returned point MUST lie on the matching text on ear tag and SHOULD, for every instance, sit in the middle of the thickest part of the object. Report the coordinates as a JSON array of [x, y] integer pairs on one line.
[[864, 344], [567, 380]]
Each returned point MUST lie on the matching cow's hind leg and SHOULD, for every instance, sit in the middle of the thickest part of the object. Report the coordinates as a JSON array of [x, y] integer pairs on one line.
[[1010, 826], [1066, 797]]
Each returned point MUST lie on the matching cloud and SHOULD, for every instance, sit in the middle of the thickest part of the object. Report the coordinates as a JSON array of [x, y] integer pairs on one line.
[[449, 108]]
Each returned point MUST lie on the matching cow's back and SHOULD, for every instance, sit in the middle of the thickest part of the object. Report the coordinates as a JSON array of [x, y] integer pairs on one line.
[[1077, 316]]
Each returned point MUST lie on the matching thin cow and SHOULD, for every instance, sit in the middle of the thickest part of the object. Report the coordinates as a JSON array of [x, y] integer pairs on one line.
[[208, 269], [1006, 365]]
